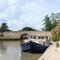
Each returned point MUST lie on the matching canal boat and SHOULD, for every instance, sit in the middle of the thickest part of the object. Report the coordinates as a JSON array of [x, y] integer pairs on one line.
[[33, 47], [34, 44]]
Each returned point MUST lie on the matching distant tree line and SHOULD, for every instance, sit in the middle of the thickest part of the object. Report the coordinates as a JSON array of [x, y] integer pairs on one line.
[[28, 29], [4, 27]]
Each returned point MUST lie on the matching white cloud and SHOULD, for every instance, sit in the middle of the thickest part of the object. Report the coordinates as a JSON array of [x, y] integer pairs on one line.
[[20, 13], [11, 2], [25, 14]]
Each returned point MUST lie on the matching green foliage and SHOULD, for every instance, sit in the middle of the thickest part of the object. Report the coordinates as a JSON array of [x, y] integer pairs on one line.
[[28, 29], [4, 27], [53, 18], [56, 34], [47, 23], [50, 22], [54, 24]]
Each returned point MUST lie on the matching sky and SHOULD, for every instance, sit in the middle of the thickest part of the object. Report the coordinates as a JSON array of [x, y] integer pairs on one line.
[[26, 13]]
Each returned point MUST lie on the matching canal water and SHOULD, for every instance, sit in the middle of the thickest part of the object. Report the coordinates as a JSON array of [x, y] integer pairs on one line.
[[10, 50], [30, 56]]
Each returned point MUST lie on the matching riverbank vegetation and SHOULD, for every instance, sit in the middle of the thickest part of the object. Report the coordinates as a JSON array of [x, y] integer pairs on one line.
[[56, 34], [50, 22], [28, 29]]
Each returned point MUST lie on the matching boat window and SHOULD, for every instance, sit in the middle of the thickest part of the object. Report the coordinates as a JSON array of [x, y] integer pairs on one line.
[[31, 37], [42, 37], [34, 37], [43, 43], [39, 37]]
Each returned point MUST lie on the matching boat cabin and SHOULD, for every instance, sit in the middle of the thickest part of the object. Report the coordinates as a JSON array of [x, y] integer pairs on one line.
[[40, 39]]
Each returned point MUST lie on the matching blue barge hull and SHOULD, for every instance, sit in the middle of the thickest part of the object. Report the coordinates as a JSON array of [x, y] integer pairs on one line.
[[32, 46]]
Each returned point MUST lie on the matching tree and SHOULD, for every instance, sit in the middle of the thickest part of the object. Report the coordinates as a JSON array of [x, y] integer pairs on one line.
[[53, 18], [47, 23], [4, 27], [54, 24], [56, 34], [50, 22], [28, 29]]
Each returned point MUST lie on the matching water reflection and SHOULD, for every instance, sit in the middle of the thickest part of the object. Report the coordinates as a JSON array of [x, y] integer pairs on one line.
[[2, 46], [10, 50]]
